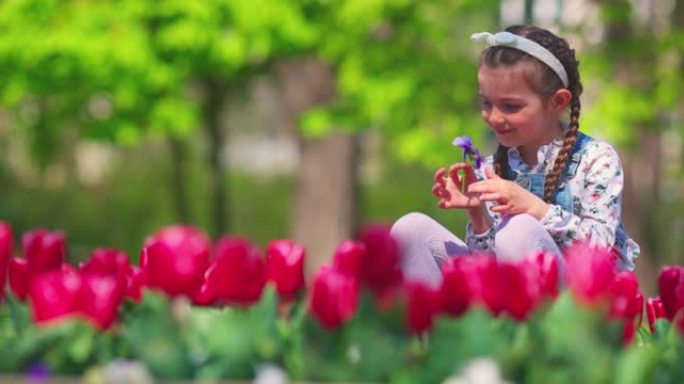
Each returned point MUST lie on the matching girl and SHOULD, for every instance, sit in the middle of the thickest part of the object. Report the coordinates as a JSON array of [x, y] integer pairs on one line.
[[547, 186]]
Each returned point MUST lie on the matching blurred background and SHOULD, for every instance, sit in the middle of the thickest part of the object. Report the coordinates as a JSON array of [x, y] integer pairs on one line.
[[304, 119]]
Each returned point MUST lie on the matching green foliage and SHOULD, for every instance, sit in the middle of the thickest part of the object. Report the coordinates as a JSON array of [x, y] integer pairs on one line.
[[563, 343]]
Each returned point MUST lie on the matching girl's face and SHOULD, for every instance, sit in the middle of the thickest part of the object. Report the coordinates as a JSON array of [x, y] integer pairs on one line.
[[519, 116]]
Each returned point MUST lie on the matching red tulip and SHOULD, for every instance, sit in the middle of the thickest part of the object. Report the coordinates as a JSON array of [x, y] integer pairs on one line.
[[100, 298], [107, 261], [380, 268], [423, 304], [237, 274], [522, 289], [44, 250], [654, 311], [19, 277], [671, 289], [203, 296], [457, 292], [626, 301], [54, 295], [175, 259], [547, 267], [591, 272], [6, 245], [348, 257], [285, 264], [334, 297], [135, 282], [486, 285]]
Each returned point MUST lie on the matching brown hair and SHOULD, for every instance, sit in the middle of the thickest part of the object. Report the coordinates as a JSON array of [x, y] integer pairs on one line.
[[546, 83]]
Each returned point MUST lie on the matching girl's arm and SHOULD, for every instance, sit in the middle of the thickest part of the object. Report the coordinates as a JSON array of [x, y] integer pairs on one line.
[[599, 198]]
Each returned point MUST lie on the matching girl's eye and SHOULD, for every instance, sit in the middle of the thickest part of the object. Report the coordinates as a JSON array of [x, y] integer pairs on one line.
[[511, 107], [485, 104]]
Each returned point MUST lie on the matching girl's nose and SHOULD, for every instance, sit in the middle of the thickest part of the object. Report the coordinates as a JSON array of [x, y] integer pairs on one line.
[[496, 118]]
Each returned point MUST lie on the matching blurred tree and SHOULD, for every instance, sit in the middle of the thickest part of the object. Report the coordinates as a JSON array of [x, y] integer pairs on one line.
[[116, 70]]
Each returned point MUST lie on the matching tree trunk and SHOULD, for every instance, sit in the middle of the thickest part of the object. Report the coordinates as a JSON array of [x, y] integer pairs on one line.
[[179, 184], [326, 196], [218, 193]]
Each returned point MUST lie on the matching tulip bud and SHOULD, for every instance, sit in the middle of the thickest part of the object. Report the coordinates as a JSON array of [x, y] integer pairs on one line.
[[175, 259], [334, 297], [671, 289], [380, 269], [44, 250], [100, 298], [549, 279], [591, 271], [654, 311], [285, 263], [107, 261], [53, 295], [19, 277], [626, 301], [348, 257], [135, 282], [457, 293], [485, 283], [423, 305], [237, 274], [6, 246]]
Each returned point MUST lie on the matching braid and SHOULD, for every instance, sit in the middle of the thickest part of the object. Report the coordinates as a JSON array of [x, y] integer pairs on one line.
[[561, 161], [546, 83]]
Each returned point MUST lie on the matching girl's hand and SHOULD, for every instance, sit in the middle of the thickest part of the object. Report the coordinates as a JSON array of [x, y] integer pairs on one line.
[[510, 198], [448, 188]]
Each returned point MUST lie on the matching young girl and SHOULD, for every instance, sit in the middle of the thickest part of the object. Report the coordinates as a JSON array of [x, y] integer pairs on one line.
[[547, 186]]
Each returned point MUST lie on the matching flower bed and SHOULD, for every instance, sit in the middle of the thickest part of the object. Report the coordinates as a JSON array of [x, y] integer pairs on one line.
[[201, 309]]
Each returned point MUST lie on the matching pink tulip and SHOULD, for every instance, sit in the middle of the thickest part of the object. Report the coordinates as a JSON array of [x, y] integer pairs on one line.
[[44, 250], [54, 295], [522, 287], [100, 298], [457, 293], [285, 264], [486, 285], [237, 274], [654, 311], [549, 279], [380, 269], [19, 277], [671, 289], [107, 261], [334, 297], [591, 272], [423, 305], [626, 300], [6, 246], [135, 282], [349, 256], [175, 259]]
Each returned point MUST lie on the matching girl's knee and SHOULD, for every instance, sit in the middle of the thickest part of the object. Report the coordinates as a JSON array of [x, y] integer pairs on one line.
[[409, 224]]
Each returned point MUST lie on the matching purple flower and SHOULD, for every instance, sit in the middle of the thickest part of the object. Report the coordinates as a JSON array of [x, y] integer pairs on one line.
[[469, 151]]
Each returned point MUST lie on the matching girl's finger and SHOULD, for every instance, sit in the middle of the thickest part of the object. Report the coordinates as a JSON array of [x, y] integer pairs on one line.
[[493, 196], [481, 187], [440, 192], [453, 171], [439, 175]]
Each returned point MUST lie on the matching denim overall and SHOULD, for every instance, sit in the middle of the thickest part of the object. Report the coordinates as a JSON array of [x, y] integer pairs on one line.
[[562, 197], [535, 182]]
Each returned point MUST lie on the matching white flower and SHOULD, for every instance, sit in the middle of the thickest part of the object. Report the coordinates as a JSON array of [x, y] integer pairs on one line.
[[478, 371]]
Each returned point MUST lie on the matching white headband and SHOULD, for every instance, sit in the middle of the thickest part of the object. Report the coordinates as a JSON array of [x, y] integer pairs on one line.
[[507, 39]]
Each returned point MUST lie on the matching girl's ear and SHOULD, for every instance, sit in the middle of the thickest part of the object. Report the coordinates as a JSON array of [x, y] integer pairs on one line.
[[561, 99]]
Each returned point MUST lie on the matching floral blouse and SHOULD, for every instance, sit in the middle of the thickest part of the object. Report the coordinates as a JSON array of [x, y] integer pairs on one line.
[[596, 190]]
